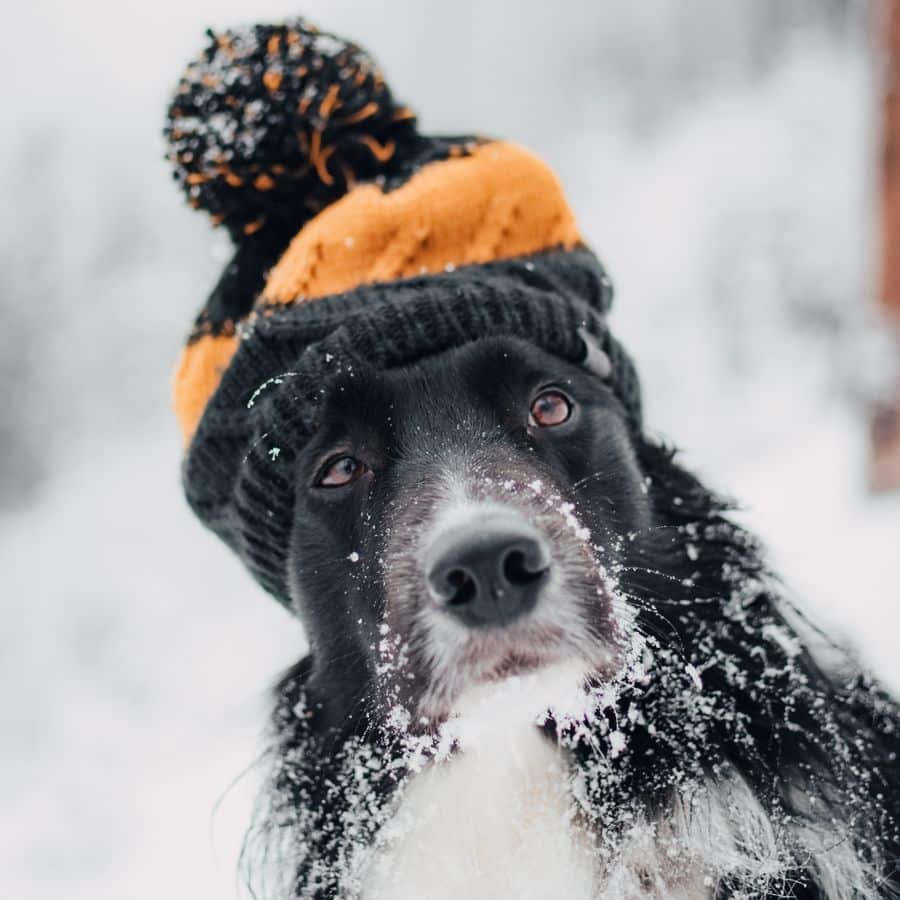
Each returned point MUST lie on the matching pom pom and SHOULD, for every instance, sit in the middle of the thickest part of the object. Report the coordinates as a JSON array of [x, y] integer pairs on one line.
[[274, 122]]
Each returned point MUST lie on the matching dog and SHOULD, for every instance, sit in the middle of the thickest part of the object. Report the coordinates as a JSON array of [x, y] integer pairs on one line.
[[545, 663]]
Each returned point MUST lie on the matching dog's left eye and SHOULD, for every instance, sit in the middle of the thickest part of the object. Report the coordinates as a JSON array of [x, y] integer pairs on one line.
[[550, 408], [339, 472]]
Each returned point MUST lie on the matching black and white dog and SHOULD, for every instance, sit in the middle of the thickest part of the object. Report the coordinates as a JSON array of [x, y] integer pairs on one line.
[[545, 664]]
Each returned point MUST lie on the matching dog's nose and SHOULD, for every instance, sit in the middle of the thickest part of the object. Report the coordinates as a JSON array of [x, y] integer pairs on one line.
[[488, 573]]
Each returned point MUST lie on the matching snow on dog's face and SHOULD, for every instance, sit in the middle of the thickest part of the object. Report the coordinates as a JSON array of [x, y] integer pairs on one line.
[[457, 522]]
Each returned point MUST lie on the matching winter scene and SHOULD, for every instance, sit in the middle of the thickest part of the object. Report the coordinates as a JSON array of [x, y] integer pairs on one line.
[[345, 547]]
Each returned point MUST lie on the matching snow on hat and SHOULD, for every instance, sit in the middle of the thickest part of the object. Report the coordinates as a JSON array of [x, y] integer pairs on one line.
[[357, 239]]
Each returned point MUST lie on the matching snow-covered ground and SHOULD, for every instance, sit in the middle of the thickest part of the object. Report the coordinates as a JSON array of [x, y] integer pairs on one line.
[[728, 189]]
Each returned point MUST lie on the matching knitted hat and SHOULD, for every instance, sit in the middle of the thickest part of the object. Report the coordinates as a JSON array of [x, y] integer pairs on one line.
[[357, 239]]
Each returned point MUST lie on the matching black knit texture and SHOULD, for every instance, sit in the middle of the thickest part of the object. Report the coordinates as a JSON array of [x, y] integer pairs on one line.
[[239, 473]]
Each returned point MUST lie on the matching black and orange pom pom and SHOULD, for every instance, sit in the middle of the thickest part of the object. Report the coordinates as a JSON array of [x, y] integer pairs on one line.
[[274, 122]]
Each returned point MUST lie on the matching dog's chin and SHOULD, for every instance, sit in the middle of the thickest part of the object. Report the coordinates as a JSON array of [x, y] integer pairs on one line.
[[539, 673], [516, 664], [505, 707]]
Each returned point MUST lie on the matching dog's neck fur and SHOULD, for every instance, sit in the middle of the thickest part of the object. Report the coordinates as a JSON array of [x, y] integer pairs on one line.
[[499, 818]]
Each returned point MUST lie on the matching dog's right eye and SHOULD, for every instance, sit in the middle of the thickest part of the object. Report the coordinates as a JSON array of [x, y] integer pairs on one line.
[[550, 408], [340, 471]]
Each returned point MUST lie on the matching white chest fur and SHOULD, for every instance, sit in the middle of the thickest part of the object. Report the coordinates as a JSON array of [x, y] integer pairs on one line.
[[496, 821], [491, 823]]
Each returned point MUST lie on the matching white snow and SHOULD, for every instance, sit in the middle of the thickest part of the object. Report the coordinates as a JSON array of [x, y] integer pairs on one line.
[[136, 657]]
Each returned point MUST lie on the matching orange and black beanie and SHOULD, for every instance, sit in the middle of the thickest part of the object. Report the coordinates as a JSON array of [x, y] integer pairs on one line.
[[356, 239]]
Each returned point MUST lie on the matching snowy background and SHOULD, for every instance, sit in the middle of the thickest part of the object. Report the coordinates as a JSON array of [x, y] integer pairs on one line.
[[721, 159]]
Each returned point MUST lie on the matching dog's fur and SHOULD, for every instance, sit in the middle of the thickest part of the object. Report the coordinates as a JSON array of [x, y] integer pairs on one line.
[[697, 745]]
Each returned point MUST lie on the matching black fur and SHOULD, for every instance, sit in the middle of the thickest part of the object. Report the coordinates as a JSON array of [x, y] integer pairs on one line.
[[731, 690]]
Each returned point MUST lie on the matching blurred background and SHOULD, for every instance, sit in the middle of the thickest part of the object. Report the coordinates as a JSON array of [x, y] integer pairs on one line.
[[723, 159]]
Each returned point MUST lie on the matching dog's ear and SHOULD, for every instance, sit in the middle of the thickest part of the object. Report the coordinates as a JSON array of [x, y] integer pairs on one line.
[[595, 359]]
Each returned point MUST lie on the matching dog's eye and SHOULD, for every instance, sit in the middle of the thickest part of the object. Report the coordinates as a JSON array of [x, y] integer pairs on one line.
[[339, 472], [550, 408]]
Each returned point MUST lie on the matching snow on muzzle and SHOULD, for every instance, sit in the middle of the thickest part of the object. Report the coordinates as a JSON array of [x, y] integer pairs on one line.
[[487, 577]]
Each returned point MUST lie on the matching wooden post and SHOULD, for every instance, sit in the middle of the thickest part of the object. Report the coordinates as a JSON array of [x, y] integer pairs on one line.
[[885, 435]]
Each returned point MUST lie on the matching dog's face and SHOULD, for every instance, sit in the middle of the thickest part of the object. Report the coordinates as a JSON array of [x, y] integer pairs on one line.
[[456, 522]]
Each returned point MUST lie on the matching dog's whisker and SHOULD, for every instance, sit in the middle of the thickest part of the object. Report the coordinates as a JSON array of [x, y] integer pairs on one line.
[[600, 473]]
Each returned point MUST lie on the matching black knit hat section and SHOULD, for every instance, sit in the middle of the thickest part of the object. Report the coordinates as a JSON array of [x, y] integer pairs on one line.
[[239, 471]]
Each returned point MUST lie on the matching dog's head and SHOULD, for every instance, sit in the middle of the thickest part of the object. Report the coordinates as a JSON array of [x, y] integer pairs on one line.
[[457, 521]]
